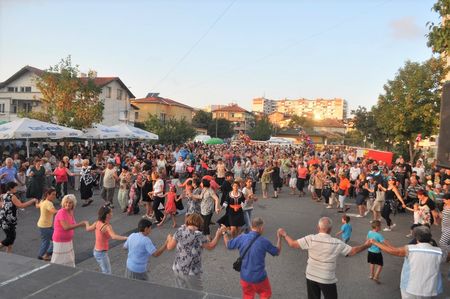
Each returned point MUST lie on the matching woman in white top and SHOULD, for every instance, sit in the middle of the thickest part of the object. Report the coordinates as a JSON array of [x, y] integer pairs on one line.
[[158, 195]]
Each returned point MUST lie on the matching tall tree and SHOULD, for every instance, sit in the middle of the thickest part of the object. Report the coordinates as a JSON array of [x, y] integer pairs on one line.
[[221, 128], [366, 123], [169, 131], [411, 102], [202, 119], [66, 99], [439, 35], [262, 130]]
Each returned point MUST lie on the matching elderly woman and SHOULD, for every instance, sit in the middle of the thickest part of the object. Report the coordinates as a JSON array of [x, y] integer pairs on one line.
[[64, 226], [37, 180], [103, 233], [86, 183], [189, 243]]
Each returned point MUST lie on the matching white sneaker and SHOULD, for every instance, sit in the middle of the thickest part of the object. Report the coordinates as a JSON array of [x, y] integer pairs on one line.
[[329, 207], [387, 229], [359, 216], [393, 225]]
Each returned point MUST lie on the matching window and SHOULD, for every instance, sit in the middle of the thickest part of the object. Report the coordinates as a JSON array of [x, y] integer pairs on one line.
[[232, 114], [22, 89], [136, 115], [108, 92], [119, 94], [28, 89], [10, 89], [2, 108], [162, 117]]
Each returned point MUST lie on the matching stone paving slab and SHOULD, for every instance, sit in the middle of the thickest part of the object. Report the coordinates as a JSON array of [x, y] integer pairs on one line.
[[26, 278]]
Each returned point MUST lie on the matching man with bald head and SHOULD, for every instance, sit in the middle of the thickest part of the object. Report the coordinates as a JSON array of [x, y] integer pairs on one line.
[[323, 251]]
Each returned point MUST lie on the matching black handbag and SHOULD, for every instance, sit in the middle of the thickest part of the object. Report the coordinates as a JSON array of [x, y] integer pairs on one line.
[[238, 263]]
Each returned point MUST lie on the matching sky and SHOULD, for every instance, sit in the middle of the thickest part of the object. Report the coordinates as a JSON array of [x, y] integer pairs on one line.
[[206, 52]]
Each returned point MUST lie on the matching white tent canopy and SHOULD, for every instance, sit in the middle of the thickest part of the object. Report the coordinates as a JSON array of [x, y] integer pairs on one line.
[[25, 128], [130, 132], [201, 138], [103, 132]]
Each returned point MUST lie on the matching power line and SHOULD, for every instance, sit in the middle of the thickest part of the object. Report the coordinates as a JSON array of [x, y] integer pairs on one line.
[[287, 47], [188, 52]]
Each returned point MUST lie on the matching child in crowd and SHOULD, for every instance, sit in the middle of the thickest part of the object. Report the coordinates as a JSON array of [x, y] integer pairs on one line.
[[170, 206], [346, 229], [416, 219], [374, 256]]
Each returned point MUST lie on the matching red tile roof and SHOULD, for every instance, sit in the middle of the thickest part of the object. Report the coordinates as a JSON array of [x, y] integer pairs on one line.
[[231, 108], [163, 101], [102, 81]]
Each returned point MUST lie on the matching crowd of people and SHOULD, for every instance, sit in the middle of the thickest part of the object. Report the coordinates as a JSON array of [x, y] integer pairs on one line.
[[193, 181]]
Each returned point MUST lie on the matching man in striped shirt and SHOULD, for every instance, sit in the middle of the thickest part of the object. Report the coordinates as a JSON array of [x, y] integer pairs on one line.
[[323, 251]]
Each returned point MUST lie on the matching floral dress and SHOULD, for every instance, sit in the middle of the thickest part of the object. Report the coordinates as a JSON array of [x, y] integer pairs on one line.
[[8, 214], [188, 257], [87, 182]]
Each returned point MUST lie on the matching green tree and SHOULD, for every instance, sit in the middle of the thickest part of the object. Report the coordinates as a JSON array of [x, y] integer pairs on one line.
[[221, 128], [299, 122], [202, 119], [66, 99], [169, 131], [439, 35], [366, 123], [411, 102], [262, 130]]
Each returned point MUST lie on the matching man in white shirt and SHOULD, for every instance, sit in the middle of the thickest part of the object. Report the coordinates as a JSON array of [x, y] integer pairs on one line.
[[323, 251]]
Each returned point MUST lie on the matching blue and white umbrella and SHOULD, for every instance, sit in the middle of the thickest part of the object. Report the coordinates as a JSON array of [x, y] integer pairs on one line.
[[25, 128], [102, 132], [130, 132]]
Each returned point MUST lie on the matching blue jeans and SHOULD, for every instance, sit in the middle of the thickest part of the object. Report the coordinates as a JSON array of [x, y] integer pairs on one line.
[[248, 219], [46, 241], [103, 261]]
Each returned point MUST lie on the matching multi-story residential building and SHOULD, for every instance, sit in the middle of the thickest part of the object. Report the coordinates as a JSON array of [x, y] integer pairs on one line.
[[163, 108], [19, 93], [317, 109], [243, 120], [264, 105]]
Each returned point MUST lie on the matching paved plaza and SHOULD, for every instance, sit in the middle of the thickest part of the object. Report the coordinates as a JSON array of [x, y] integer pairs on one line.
[[286, 272]]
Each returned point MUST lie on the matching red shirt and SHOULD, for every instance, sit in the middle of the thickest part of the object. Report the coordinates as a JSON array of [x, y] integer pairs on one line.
[[61, 175]]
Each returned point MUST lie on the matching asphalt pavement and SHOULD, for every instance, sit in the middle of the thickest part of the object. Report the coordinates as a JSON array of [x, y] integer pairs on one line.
[[286, 272]]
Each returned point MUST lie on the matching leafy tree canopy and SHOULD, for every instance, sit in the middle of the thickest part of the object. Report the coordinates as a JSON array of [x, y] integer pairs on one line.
[[66, 99]]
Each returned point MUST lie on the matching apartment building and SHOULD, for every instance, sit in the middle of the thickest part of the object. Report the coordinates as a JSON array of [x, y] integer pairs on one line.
[[316, 109]]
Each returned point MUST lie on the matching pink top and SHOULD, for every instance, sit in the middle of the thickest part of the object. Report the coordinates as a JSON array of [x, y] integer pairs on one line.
[[101, 238], [59, 234], [61, 175]]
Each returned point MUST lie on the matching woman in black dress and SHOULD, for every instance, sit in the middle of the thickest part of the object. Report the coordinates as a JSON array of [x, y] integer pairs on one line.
[[390, 202], [86, 183], [146, 189], [37, 180], [276, 179], [234, 214]]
